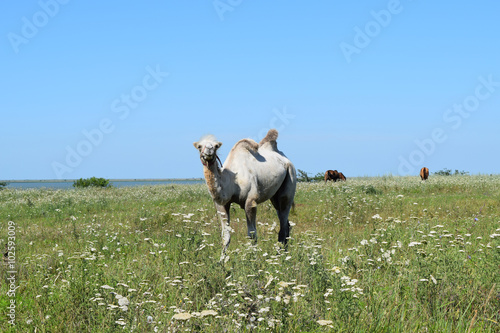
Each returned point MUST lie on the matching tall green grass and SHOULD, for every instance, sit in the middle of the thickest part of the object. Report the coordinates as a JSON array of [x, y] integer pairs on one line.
[[374, 254]]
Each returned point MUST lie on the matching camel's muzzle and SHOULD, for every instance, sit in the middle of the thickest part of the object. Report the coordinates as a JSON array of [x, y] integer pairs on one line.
[[208, 154], [207, 158]]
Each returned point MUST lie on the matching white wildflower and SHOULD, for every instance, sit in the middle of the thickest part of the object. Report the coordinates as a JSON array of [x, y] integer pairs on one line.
[[208, 313], [121, 322], [271, 278], [122, 301], [328, 292], [285, 284], [182, 316], [107, 287], [336, 269]]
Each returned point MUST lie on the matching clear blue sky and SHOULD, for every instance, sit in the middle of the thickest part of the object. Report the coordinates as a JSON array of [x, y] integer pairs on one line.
[[122, 89]]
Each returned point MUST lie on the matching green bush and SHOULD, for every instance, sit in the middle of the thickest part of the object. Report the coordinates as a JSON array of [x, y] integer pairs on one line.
[[303, 176], [448, 172], [97, 182]]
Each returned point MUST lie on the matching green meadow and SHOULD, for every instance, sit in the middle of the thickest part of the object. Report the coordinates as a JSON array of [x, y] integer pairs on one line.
[[383, 254]]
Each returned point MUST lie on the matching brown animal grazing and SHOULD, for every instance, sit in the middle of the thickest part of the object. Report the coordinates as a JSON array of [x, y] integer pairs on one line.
[[333, 175], [424, 173], [342, 177]]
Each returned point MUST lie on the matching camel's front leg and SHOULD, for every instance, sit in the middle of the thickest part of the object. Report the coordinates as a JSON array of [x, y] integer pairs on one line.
[[223, 212], [251, 214]]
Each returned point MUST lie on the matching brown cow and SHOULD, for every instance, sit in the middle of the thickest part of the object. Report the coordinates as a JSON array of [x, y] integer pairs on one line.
[[334, 175], [424, 173], [331, 175]]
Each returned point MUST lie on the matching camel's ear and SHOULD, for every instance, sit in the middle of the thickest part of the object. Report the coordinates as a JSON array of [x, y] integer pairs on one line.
[[196, 145]]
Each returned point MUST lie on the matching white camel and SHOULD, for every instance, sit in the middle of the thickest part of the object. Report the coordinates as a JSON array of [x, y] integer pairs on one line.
[[252, 173]]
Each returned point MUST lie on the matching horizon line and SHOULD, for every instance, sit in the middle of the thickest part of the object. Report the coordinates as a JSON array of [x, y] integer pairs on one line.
[[195, 178], [111, 180]]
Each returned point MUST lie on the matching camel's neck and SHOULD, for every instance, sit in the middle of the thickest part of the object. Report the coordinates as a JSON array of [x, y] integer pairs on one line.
[[217, 185]]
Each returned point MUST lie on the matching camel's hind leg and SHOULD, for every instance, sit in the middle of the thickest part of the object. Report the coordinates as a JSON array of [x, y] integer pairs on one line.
[[283, 202], [283, 206]]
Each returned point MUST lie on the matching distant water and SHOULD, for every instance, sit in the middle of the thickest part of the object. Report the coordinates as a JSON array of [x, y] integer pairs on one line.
[[120, 183]]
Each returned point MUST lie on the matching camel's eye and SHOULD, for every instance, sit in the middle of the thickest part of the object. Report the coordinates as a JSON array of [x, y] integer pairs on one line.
[[199, 146]]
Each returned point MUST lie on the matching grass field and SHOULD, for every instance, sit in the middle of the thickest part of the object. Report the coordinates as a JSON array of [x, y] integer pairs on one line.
[[385, 254]]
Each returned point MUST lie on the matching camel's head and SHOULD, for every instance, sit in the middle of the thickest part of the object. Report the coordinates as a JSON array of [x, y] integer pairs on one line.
[[207, 146]]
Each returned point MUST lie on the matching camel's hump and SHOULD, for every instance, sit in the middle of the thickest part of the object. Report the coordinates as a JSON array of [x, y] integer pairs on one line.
[[253, 146], [271, 137], [248, 144]]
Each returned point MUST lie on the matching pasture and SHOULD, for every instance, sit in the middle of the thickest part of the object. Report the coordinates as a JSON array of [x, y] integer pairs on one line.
[[385, 254]]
